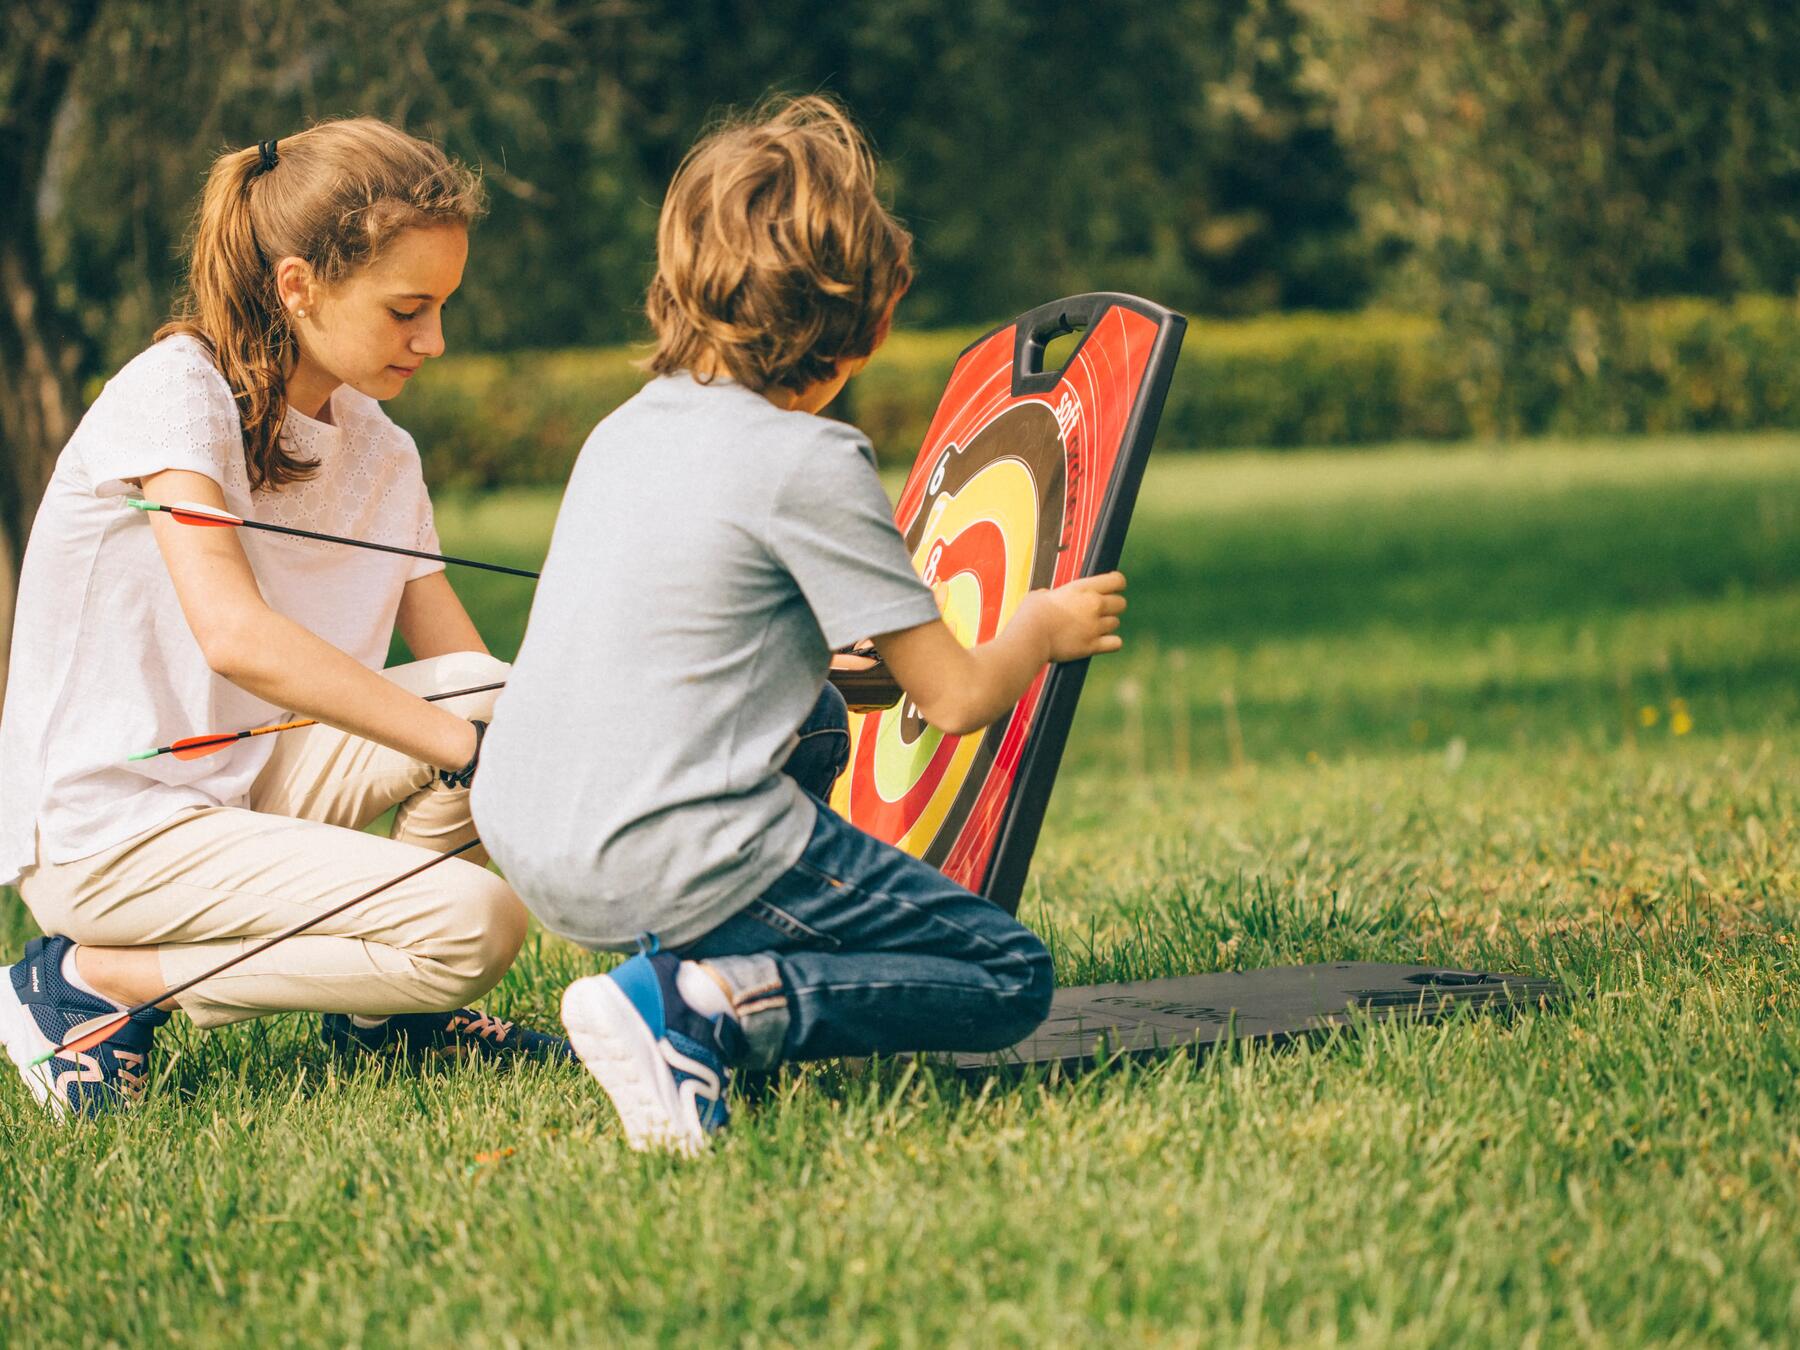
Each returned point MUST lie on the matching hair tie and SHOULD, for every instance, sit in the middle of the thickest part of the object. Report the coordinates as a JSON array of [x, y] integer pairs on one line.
[[266, 149]]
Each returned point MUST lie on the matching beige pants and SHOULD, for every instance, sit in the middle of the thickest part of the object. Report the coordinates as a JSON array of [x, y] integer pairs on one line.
[[212, 881]]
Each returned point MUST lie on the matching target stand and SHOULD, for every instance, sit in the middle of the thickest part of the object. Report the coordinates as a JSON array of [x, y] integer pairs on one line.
[[1026, 479], [1098, 1023]]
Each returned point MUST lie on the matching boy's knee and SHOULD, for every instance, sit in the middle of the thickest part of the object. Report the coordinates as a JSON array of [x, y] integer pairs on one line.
[[1038, 985], [830, 712], [481, 930], [1027, 980], [824, 745]]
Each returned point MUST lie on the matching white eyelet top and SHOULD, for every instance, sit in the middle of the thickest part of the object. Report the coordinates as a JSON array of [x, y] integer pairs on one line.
[[103, 661]]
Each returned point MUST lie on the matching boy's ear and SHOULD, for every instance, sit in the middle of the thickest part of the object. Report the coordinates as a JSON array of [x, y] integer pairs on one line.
[[852, 366], [886, 325]]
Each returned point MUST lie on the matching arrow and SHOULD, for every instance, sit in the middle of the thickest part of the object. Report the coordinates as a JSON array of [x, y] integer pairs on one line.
[[86, 1035], [866, 690], [198, 747], [193, 513]]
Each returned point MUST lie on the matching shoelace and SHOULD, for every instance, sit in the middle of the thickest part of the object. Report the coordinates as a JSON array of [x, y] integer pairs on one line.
[[134, 1078], [493, 1028]]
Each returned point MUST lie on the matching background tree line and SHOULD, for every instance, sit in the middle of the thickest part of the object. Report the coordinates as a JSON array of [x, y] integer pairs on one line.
[[1517, 169]]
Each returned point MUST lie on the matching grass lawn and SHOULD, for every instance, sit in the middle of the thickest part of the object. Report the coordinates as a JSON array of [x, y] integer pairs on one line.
[[1531, 709]]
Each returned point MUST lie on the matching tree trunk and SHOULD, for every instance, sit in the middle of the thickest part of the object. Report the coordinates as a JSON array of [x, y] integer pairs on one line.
[[41, 350]]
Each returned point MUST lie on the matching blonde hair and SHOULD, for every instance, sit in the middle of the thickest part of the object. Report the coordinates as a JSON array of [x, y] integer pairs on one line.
[[334, 195], [775, 258]]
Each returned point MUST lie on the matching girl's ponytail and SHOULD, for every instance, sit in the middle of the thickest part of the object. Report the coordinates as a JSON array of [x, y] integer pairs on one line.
[[231, 305], [331, 195]]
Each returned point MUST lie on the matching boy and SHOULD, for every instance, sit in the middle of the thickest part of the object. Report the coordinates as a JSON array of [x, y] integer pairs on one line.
[[717, 541]]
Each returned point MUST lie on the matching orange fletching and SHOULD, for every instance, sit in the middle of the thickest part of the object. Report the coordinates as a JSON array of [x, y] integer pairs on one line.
[[198, 747], [86, 1035], [188, 515]]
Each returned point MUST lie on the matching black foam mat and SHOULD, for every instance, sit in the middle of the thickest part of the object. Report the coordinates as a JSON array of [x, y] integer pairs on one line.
[[1092, 1023]]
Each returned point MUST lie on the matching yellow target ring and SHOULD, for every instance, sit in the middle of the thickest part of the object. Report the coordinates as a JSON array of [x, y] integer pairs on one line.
[[1004, 495]]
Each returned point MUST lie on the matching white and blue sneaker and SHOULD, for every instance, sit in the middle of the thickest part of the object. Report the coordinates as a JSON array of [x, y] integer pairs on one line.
[[659, 1061], [38, 1009]]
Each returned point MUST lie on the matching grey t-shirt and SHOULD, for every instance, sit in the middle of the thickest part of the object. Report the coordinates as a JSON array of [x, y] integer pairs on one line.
[[711, 550]]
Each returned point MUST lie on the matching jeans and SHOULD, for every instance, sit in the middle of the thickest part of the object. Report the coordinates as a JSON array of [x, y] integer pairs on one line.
[[862, 949]]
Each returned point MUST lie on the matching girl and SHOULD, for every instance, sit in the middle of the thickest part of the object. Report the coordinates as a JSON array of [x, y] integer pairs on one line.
[[321, 265]]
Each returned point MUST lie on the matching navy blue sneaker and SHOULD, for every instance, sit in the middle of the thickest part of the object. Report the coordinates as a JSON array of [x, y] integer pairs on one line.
[[463, 1033], [659, 1061], [38, 1009]]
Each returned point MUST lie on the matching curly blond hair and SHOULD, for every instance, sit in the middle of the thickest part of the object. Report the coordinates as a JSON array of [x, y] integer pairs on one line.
[[775, 258]]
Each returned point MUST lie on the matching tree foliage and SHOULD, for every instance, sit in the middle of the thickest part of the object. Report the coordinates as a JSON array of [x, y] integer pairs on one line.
[[1542, 162], [1162, 146], [1518, 169]]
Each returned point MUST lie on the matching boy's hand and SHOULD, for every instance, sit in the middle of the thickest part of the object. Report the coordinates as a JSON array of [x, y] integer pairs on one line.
[[961, 689], [865, 681], [1080, 618]]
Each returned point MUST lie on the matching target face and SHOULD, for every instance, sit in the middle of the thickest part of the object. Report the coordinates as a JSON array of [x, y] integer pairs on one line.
[[1006, 496]]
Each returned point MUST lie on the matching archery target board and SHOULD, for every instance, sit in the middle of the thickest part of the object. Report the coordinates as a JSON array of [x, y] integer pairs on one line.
[[1026, 479]]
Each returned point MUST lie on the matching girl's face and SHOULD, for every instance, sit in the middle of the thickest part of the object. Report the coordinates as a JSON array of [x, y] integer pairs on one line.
[[373, 329]]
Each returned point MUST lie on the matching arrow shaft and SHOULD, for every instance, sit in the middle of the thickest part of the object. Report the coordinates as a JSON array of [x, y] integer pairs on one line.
[[209, 516], [305, 925], [386, 548], [201, 746], [104, 1027]]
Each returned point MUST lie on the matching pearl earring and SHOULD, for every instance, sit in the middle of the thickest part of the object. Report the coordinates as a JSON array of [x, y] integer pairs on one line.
[[299, 314]]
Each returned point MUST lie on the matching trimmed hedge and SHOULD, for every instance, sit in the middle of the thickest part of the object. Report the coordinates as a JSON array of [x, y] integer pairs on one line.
[[1281, 381]]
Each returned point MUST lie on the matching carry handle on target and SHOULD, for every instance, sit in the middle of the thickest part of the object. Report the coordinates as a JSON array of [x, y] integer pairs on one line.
[[1004, 880], [1038, 328]]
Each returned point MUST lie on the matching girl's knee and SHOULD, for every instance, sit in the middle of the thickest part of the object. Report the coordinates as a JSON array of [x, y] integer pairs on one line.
[[830, 712], [482, 928], [456, 670], [500, 916]]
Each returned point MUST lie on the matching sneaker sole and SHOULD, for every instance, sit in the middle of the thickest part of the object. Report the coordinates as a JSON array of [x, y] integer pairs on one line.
[[616, 1046], [25, 1041]]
